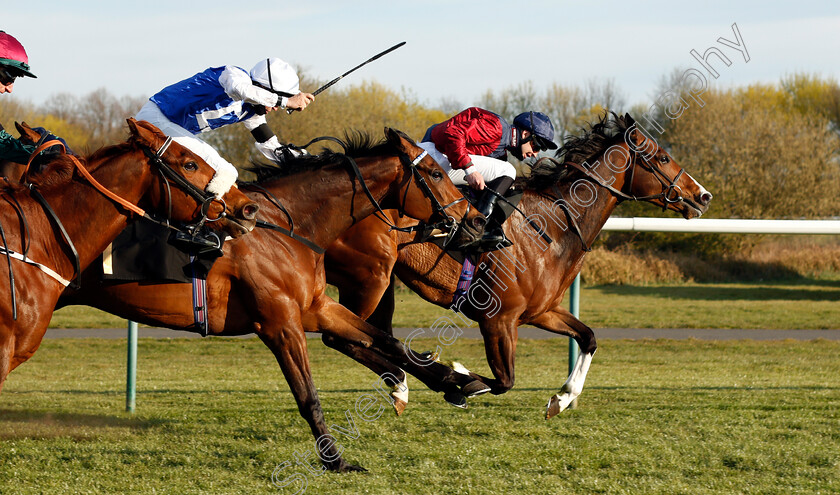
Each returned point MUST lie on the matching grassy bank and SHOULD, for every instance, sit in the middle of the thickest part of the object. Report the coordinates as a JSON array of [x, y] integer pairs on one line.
[[215, 416]]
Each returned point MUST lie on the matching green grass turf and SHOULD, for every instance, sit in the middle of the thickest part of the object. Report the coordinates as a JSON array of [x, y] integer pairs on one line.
[[809, 304], [215, 416]]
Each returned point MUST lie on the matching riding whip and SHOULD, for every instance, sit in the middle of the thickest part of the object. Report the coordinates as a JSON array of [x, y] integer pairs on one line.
[[325, 86]]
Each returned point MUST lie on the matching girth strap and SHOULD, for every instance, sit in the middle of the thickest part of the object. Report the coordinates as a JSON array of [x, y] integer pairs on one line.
[[77, 271]]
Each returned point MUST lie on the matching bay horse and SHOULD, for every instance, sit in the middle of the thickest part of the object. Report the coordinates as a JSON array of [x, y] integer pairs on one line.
[[58, 222], [525, 283], [273, 285]]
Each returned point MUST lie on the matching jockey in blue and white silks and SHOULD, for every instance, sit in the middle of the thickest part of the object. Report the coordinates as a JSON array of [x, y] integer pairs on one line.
[[221, 96]]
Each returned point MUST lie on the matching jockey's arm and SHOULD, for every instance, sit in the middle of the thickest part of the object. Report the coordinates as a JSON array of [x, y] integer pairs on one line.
[[238, 85], [11, 149]]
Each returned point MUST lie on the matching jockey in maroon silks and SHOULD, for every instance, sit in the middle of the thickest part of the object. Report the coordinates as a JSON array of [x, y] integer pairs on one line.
[[473, 145]]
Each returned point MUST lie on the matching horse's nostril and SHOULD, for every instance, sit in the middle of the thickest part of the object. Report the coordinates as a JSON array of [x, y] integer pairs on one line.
[[249, 211], [706, 198], [479, 222]]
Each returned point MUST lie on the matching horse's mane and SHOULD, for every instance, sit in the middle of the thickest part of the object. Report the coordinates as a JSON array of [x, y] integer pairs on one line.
[[357, 144], [577, 149]]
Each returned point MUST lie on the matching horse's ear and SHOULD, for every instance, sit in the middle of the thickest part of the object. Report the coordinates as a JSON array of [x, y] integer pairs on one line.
[[145, 133], [26, 132], [397, 138], [628, 119]]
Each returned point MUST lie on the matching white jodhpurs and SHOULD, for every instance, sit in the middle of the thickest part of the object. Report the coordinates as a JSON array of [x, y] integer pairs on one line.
[[489, 168], [226, 173]]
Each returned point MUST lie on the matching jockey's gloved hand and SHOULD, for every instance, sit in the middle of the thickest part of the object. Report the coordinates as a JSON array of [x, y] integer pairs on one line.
[[285, 153]]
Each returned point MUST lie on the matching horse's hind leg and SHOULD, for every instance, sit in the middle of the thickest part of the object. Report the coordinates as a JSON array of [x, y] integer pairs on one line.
[[289, 348], [338, 322], [375, 362], [563, 322]]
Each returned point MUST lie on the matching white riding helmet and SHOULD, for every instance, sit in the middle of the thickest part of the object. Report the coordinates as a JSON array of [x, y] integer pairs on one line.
[[276, 75]]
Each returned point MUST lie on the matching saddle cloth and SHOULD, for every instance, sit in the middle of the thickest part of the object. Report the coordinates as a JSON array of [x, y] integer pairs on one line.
[[143, 252]]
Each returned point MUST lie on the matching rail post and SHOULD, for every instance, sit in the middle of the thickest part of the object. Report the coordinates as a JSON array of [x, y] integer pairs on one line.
[[131, 372]]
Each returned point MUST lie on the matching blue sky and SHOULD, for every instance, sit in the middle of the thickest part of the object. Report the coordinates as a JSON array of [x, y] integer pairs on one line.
[[456, 50]]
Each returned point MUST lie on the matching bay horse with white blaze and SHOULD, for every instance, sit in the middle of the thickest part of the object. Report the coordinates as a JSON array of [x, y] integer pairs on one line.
[[64, 217], [525, 283], [273, 285]]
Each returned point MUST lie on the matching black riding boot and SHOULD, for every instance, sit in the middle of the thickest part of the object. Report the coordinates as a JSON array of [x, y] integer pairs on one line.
[[494, 237]]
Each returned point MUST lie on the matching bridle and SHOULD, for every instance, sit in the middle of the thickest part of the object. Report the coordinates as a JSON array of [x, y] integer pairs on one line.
[[448, 222], [202, 197], [669, 187]]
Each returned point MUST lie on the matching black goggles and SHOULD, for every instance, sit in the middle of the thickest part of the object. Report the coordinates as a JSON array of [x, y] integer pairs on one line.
[[7, 77], [537, 143]]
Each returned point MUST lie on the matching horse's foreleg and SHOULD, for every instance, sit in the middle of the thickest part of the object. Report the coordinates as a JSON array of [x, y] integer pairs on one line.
[[383, 316], [364, 281], [7, 350], [289, 348], [500, 337], [563, 322]]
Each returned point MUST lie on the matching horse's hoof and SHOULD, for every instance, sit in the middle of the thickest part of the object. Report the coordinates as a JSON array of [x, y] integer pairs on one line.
[[455, 399], [352, 468], [342, 466], [557, 404], [399, 406], [474, 388], [458, 367]]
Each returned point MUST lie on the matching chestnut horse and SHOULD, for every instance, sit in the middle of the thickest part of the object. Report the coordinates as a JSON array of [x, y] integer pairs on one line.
[[525, 283], [57, 224], [273, 285]]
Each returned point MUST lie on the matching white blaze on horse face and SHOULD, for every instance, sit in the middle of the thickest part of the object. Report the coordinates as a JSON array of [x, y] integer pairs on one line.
[[703, 191]]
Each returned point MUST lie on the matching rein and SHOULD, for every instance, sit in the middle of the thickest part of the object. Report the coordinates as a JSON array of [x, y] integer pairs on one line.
[[668, 185], [449, 222]]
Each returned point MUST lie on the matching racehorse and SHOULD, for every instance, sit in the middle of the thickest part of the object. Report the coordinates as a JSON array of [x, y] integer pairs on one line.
[[565, 208], [65, 215], [273, 285]]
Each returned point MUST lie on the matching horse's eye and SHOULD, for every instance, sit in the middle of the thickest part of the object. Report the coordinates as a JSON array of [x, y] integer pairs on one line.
[[664, 159], [190, 166], [437, 175]]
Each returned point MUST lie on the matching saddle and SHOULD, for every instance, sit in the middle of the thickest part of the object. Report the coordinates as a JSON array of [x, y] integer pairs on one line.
[[506, 207], [149, 252]]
